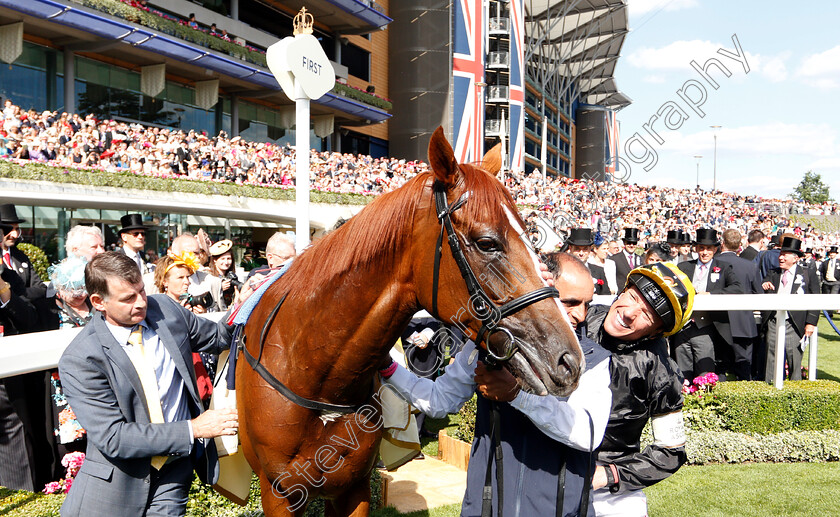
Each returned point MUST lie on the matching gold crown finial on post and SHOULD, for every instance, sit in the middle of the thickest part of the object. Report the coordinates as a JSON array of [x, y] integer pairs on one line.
[[303, 22]]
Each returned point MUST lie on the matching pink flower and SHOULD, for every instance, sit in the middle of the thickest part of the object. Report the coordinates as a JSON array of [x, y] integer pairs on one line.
[[53, 487]]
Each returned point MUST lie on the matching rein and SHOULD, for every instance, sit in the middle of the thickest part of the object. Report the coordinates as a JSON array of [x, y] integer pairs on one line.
[[488, 312], [279, 386]]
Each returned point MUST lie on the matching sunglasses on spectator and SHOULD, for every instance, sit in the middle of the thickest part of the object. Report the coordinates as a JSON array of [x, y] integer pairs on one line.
[[137, 233]]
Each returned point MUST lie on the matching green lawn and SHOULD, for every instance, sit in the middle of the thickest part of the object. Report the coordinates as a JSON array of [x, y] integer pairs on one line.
[[760, 490]]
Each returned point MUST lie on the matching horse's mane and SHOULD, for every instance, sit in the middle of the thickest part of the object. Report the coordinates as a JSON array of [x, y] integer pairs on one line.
[[381, 229]]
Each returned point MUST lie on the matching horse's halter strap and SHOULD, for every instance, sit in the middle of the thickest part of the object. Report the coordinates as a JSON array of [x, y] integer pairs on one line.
[[483, 306]]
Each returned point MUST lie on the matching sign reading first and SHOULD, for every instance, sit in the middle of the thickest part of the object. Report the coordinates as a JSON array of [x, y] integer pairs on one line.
[[300, 57]]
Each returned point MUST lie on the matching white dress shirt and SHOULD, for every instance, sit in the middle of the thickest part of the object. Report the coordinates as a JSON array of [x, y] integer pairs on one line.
[[171, 387]]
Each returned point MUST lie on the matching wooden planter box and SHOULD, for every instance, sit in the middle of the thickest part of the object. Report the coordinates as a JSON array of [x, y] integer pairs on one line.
[[453, 451]]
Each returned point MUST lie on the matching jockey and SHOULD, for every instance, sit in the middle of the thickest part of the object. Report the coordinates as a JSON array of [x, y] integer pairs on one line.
[[646, 384]]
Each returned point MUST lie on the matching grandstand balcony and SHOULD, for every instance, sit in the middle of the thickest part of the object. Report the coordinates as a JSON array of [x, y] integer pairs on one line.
[[493, 127], [344, 16], [498, 60], [498, 94], [499, 26], [114, 35]]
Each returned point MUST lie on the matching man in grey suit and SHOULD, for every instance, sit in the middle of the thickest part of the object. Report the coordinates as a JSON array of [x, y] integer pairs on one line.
[[129, 378]]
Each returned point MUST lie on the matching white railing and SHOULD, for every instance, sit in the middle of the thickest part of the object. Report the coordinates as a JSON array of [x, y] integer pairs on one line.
[[781, 303], [42, 350]]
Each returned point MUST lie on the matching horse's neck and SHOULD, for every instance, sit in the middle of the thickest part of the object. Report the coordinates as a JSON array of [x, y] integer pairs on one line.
[[348, 335]]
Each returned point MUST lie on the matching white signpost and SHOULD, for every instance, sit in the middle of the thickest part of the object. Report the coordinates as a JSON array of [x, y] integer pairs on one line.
[[305, 73]]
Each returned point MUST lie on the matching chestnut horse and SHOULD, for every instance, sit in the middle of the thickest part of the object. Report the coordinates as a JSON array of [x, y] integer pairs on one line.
[[345, 301]]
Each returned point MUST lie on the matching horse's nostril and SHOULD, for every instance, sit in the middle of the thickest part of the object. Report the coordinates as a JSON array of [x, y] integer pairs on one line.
[[567, 364]]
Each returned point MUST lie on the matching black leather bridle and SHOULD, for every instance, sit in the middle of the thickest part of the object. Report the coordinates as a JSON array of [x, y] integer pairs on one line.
[[483, 306]]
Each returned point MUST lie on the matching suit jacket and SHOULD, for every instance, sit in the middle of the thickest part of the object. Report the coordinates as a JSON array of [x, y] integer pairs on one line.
[[599, 278], [148, 267], [725, 282], [622, 268], [104, 390], [749, 253], [804, 280], [824, 271], [34, 287], [742, 323]]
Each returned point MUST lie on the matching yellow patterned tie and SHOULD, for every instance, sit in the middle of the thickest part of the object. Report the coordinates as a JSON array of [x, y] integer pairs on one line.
[[148, 380]]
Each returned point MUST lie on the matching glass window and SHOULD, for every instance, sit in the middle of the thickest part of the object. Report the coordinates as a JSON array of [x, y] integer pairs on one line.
[[357, 61]]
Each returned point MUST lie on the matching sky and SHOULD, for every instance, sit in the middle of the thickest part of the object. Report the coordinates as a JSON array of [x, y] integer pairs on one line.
[[777, 107]]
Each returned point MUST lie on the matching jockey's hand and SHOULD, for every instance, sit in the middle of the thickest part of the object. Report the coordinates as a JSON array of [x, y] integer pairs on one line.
[[599, 479], [546, 276], [498, 385]]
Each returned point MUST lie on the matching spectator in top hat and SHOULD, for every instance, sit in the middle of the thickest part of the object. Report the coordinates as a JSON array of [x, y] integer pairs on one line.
[[580, 245], [830, 272], [133, 237], [755, 241], [673, 240], [627, 259], [808, 259], [741, 323], [789, 278], [695, 345], [15, 260], [684, 252]]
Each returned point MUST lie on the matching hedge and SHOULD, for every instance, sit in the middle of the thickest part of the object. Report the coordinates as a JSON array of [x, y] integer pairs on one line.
[[789, 446], [39, 260], [757, 407], [130, 181]]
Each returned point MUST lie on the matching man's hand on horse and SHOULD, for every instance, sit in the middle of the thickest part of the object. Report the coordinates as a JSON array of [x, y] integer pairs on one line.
[[216, 422], [247, 289], [546, 275], [498, 385]]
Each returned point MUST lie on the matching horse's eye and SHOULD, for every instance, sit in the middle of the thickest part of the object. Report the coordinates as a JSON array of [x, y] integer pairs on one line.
[[487, 244]]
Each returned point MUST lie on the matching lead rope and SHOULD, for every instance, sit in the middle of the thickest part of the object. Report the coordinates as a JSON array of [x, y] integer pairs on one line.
[[495, 454], [583, 508]]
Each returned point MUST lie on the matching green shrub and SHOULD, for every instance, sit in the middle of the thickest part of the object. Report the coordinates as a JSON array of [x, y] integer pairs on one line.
[[466, 425], [39, 260], [130, 181], [789, 446], [757, 407]]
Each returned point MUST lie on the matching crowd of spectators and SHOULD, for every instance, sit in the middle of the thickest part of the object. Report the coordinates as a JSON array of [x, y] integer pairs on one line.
[[73, 140]]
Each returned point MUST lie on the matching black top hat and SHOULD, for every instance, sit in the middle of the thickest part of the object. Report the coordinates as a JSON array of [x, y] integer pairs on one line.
[[707, 236], [685, 237], [832, 249], [631, 235], [8, 214], [580, 237], [791, 244], [673, 237], [132, 222]]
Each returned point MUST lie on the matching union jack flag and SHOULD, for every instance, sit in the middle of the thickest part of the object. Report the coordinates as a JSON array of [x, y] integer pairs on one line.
[[467, 70], [517, 87]]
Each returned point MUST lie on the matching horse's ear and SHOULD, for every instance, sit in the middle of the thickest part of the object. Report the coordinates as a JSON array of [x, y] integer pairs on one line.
[[492, 161], [442, 159]]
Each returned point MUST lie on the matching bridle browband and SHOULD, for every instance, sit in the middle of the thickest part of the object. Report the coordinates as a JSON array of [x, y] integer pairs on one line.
[[483, 306]]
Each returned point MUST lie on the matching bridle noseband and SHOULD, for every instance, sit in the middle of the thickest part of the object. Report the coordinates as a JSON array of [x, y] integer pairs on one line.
[[482, 305]]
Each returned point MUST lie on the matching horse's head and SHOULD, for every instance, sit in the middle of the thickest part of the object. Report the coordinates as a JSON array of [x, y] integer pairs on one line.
[[508, 310]]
